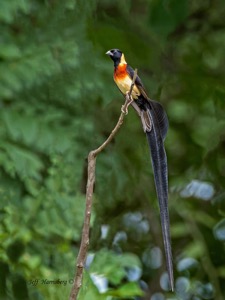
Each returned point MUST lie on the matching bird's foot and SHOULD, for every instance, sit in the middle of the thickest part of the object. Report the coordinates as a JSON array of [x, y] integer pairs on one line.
[[124, 109], [128, 102]]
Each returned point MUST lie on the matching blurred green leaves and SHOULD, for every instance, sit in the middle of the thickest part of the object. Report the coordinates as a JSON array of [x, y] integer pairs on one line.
[[8, 12], [107, 274], [166, 15], [116, 270], [219, 230], [42, 208]]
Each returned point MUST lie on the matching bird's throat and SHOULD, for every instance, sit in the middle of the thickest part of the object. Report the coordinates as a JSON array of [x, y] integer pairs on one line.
[[120, 71]]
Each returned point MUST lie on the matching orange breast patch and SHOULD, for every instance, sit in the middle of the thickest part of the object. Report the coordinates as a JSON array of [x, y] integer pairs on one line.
[[120, 72]]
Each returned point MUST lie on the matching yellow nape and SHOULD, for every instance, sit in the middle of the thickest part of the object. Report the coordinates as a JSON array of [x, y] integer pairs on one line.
[[122, 60]]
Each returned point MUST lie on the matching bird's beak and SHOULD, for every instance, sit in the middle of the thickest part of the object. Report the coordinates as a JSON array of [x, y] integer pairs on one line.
[[109, 53]]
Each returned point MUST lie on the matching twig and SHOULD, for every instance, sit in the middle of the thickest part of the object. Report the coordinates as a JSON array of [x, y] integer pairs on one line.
[[89, 195]]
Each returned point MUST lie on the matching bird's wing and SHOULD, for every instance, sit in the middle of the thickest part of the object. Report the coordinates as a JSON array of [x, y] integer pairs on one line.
[[138, 82]]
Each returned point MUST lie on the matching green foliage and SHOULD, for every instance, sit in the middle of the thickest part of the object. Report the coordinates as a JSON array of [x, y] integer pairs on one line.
[[111, 269], [165, 16], [58, 102]]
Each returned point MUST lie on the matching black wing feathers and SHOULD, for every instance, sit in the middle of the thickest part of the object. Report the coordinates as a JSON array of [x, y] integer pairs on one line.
[[130, 71]]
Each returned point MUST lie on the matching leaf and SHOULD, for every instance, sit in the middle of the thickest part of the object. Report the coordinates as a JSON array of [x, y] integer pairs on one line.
[[130, 289], [179, 230], [219, 230], [89, 290], [194, 249], [26, 163], [129, 260], [9, 51], [108, 264]]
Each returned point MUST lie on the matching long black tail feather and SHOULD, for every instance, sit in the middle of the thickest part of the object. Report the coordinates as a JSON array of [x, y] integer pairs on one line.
[[155, 139]]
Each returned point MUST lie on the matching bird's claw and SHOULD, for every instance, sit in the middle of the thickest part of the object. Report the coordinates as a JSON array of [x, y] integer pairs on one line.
[[128, 102], [124, 109]]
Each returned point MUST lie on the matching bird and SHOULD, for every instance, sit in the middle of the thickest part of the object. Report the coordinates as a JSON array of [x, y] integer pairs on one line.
[[155, 124]]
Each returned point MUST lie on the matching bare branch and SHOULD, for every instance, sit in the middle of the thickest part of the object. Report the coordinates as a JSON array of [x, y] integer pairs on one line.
[[89, 195]]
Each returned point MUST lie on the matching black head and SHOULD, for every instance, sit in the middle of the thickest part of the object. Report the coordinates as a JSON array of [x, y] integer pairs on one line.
[[115, 55]]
